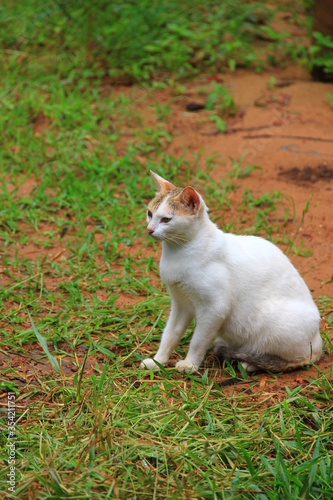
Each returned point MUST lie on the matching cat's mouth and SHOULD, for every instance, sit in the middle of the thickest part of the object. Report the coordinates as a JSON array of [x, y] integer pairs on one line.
[[155, 236]]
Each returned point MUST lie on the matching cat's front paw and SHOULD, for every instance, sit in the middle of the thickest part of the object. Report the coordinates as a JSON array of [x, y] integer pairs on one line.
[[149, 364], [184, 366]]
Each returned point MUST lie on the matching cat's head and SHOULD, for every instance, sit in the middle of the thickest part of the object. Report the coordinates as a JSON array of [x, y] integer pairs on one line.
[[174, 214]]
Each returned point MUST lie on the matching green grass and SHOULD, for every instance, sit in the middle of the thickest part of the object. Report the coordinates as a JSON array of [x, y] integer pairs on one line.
[[140, 41], [75, 160]]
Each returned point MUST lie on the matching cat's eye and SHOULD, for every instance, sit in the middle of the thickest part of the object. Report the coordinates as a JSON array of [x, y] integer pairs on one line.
[[149, 214], [165, 220]]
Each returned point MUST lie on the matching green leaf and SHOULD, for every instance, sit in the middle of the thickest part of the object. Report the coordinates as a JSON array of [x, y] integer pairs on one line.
[[298, 437], [314, 467], [242, 371], [324, 41], [43, 343], [267, 464], [104, 350], [305, 465], [249, 463], [231, 369]]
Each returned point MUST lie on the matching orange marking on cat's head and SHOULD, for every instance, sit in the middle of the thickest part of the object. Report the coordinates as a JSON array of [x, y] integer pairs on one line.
[[161, 196], [181, 201], [184, 201]]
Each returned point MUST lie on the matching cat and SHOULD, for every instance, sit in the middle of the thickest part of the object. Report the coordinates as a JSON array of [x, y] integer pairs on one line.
[[243, 292]]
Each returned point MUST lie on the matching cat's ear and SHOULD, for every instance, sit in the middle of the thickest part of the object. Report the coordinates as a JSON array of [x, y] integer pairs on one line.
[[191, 199], [161, 183]]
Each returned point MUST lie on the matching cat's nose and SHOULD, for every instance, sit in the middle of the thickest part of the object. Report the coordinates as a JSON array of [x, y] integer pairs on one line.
[[150, 231]]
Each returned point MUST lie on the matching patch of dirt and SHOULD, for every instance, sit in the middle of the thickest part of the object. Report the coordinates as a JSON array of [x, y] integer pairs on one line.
[[307, 174], [127, 299], [26, 188], [40, 123]]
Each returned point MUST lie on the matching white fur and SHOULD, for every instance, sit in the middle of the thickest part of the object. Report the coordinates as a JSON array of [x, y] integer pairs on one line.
[[241, 289]]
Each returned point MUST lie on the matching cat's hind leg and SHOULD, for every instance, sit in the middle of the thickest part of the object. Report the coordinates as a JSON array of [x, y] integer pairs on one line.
[[316, 347], [224, 352], [248, 367]]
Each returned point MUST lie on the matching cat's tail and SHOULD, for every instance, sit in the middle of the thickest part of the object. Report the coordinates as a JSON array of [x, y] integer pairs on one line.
[[253, 361]]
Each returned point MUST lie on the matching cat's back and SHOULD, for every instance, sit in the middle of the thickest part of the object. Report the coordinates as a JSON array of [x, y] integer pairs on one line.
[[252, 249], [256, 262]]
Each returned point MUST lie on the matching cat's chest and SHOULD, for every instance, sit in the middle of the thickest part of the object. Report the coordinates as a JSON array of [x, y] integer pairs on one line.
[[189, 272], [175, 272], [179, 267]]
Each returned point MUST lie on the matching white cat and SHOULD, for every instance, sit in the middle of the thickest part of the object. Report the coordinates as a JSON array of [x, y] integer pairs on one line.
[[242, 291]]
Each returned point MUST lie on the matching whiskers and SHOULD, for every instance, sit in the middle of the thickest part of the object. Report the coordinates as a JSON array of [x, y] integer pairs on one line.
[[175, 240]]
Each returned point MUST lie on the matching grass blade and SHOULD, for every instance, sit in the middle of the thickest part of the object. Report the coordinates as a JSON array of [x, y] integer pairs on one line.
[[43, 343]]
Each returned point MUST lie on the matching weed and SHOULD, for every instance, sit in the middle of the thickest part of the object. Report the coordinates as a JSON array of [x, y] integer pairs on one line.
[[330, 98], [220, 100], [321, 53], [220, 124]]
